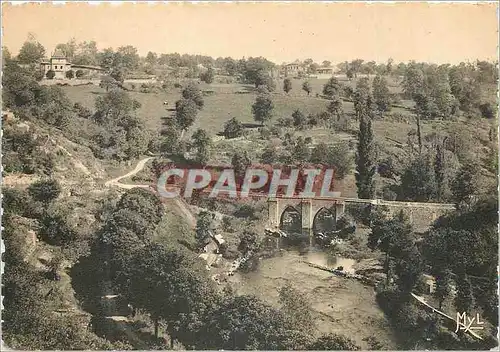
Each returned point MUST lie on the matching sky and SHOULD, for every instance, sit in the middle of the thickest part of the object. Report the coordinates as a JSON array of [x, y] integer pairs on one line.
[[281, 32]]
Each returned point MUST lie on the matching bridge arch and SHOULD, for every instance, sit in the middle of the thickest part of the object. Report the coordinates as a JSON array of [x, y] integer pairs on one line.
[[324, 219], [290, 218]]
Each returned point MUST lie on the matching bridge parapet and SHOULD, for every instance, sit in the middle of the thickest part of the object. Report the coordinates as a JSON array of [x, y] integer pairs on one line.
[[421, 215]]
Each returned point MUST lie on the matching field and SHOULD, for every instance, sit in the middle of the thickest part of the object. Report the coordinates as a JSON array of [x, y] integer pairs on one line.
[[227, 101]]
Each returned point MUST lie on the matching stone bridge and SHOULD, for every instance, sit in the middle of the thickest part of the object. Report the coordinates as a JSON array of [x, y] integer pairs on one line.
[[421, 215]]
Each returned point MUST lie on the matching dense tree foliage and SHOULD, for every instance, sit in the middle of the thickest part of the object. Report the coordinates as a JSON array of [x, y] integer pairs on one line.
[[263, 107], [203, 144], [31, 52], [287, 85], [233, 128], [306, 87]]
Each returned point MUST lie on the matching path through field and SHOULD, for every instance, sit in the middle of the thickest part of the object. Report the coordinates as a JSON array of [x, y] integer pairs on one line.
[[116, 181]]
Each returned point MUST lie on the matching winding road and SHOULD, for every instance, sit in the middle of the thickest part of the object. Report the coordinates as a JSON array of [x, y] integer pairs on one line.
[[116, 181], [182, 205]]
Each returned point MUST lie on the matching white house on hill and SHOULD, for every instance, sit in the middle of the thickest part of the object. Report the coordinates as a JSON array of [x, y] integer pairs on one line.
[[60, 64]]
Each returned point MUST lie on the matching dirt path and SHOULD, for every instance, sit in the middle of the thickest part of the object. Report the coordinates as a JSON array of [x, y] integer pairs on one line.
[[116, 181], [183, 206]]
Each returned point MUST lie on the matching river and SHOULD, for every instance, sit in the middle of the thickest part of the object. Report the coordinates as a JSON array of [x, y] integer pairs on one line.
[[340, 305]]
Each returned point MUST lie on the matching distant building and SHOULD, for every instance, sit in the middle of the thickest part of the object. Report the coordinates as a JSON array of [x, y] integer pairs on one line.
[[293, 70], [60, 64], [324, 72]]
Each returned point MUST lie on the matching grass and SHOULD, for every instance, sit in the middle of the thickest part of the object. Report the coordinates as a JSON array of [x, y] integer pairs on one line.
[[221, 106]]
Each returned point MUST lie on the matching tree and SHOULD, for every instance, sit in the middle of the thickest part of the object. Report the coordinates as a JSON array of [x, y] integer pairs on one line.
[[392, 236], [418, 180], [45, 190], [6, 55], [86, 54], [326, 63], [240, 163], [204, 225], [335, 107], [299, 119], [464, 298], [440, 174], [185, 113], [151, 58], [19, 87], [306, 86], [356, 66], [301, 152], [79, 73], [413, 80], [443, 288], [365, 158], [262, 108], [202, 143], [487, 110], [68, 49], [114, 107], [192, 92], [118, 74], [409, 265], [349, 74], [171, 139], [156, 272], [242, 323], [55, 228], [249, 242], [208, 76], [50, 74], [381, 94], [269, 155], [332, 88], [108, 82], [126, 57], [31, 52], [287, 85], [70, 74], [337, 156], [465, 184], [142, 202], [333, 342], [233, 128], [256, 70]]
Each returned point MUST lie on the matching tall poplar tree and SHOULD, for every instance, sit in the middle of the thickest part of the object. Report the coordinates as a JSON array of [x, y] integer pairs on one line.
[[365, 155]]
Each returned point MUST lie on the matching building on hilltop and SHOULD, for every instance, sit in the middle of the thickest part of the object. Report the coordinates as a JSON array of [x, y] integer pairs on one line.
[[60, 64]]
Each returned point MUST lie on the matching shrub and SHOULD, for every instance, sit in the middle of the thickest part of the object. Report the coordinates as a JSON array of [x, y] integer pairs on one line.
[[82, 111], [45, 191], [487, 110], [50, 74], [233, 128], [70, 74], [55, 229], [284, 121], [360, 212], [79, 73], [227, 224], [265, 132], [245, 211], [387, 169]]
